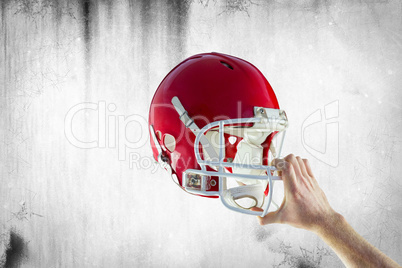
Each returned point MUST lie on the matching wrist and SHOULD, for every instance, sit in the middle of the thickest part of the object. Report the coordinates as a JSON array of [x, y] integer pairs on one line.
[[329, 224]]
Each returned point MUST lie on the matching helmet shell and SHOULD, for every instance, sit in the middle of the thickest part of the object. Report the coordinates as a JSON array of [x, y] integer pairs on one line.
[[211, 87]]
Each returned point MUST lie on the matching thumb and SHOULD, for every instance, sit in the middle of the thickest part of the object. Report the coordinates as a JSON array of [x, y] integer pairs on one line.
[[267, 219]]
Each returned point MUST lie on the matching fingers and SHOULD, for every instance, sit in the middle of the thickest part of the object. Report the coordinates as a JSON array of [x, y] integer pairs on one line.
[[279, 172], [280, 164], [310, 172], [292, 160], [271, 217], [293, 170], [286, 170], [306, 178], [308, 167], [302, 166]]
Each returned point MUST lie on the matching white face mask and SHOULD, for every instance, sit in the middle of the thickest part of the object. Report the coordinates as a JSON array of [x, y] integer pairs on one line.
[[242, 181]]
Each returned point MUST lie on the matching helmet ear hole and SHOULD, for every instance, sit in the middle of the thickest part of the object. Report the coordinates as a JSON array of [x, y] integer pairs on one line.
[[232, 140], [170, 142]]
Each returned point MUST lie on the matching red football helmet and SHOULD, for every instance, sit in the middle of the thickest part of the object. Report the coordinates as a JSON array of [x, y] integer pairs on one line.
[[214, 122]]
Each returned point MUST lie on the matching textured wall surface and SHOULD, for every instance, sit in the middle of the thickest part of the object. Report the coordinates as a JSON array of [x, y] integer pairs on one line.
[[336, 67]]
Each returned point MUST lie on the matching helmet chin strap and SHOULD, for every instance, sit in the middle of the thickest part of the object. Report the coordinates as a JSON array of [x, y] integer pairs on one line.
[[189, 123], [241, 196]]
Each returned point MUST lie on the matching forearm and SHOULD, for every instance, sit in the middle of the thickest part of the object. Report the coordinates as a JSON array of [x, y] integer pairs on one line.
[[352, 249]]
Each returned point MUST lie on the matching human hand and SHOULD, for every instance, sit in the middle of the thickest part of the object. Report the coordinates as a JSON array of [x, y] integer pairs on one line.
[[304, 204]]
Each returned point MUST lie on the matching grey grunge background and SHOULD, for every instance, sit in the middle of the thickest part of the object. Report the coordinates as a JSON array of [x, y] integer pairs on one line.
[[78, 187]]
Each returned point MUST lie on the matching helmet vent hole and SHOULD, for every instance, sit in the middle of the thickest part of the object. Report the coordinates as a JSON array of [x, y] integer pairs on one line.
[[227, 65], [170, 142]]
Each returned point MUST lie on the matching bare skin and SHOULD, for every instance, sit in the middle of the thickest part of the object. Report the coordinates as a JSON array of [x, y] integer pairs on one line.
[[306, 206]]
